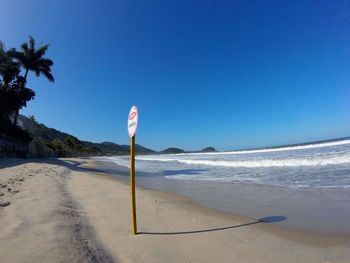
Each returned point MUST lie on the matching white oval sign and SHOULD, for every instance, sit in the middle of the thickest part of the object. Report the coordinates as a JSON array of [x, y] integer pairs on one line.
[[132, 121]]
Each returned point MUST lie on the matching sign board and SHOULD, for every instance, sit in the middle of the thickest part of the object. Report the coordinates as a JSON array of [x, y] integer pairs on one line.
[[133, 118], [132, 121]]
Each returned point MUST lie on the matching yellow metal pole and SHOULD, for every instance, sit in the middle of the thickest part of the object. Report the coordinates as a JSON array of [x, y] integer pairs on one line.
[[132, 184]]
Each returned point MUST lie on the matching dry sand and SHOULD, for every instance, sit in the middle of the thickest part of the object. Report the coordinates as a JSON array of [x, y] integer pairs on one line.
[[66, 211]]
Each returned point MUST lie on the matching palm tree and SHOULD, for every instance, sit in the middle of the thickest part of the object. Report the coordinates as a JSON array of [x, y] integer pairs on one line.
[[32, 59]]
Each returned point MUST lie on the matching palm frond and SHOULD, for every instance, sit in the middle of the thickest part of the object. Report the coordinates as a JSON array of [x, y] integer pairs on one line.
[[2, 46], [47, 62], [42, 50], [32, 59], [25, 47], [12, 52], [31, 43], [48, 75], [37, 72]]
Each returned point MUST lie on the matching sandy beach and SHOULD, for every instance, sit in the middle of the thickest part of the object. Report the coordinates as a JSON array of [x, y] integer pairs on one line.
[[64, 210]]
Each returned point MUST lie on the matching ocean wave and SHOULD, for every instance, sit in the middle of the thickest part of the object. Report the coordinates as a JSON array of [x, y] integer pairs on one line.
[[247, 180], [290, 162], [279, 149], [327, 167]]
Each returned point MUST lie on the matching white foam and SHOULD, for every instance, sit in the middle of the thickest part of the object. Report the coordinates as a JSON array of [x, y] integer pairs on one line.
[[320, 168], [235, 179], [291, 148], [290, 162]]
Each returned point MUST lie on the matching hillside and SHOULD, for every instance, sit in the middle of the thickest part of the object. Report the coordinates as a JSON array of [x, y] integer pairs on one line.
[[139, 149], [65, 144]]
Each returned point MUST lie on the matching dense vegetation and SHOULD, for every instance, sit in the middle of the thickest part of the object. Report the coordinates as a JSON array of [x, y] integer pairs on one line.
[[65, 144], [14, 93]]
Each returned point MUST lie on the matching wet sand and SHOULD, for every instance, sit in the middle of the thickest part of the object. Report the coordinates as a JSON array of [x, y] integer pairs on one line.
[[67, 211], [317, 210]]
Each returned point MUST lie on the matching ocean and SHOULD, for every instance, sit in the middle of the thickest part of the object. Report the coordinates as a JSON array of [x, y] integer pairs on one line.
[[310, 184], [314, 165]]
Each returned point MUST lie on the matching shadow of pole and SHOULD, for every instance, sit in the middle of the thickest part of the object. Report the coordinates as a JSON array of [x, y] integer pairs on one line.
[[268, 219]]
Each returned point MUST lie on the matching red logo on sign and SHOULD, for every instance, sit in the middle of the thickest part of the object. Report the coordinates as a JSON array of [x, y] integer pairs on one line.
[[132, 115]]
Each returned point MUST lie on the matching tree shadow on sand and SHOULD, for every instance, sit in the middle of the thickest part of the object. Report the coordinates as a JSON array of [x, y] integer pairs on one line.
[[267, 219]]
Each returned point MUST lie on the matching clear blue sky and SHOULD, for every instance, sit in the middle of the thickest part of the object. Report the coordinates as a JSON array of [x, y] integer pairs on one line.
[[230, 74]]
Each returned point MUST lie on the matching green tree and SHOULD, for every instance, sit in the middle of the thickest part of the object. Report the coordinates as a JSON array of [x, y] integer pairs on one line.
[[9, 69], [70, 141], [32, 59], [13, 93]]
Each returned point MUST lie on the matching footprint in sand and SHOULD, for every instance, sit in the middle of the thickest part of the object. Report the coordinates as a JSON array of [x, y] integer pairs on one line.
[[4, 203], [19, 179]]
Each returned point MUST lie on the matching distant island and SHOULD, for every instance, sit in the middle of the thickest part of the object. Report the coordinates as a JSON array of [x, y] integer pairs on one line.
[[208, 150], [172, 150]]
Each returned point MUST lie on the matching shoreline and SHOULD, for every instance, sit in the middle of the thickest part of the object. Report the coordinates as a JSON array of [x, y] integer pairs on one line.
[[322, 211], [172, 228], [290, 231], [220, 213]]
